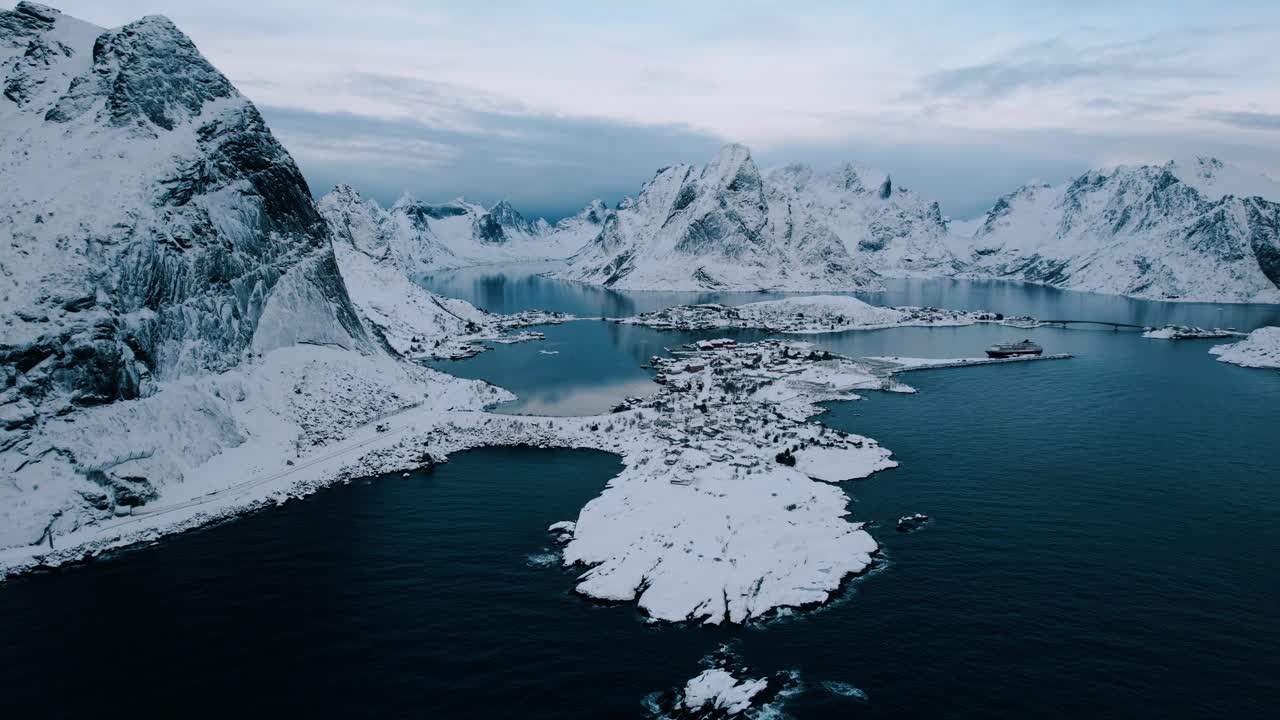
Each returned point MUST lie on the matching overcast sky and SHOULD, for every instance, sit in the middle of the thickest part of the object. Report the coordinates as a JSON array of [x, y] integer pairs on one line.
[[550, 104]]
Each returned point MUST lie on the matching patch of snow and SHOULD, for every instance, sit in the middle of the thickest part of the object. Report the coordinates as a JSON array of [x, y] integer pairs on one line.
[[1184, 332], [838, 464], [719, 689], [1261, 349]]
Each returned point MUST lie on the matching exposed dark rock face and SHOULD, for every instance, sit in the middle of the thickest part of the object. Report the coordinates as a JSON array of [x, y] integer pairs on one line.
[[178, 281], [145, 71], [501, 221], [151, 227]]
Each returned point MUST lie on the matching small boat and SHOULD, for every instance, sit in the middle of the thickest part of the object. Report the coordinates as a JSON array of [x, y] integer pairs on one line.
[[1018, 349]]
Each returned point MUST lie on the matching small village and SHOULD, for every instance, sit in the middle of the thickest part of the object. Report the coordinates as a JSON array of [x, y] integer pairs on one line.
[[496, 329], [811, 316], [742, 407]]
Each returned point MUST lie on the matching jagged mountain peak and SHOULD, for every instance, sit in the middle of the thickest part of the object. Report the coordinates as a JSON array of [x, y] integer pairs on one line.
[[43, 13], [195, 235], [595, 211], [506, 215], [733, 169], [146, 74], [714, 227], [1186, 229], [423, 237]]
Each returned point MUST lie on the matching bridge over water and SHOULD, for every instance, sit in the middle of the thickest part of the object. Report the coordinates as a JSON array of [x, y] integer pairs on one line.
[[1114, 325]]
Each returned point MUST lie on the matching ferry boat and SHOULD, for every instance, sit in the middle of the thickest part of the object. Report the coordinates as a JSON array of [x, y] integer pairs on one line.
[[1018, 349]]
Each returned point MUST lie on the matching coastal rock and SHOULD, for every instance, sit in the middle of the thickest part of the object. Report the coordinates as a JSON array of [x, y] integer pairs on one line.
[[911, 523], [1261, 349]]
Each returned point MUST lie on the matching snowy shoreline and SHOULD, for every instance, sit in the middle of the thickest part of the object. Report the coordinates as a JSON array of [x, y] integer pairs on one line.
[[1261, 349], [725, 509]]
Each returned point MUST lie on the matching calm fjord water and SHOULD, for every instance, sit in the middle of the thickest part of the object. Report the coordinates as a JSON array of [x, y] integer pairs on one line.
[[1105, 542]]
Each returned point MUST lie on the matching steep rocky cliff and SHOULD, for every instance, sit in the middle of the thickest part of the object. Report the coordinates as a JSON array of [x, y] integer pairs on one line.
[[168, 290], [150, 226]]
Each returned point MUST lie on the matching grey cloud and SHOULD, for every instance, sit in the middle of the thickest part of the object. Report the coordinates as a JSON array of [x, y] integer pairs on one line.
[[1060, 61], [545, 165], [1246, 120]]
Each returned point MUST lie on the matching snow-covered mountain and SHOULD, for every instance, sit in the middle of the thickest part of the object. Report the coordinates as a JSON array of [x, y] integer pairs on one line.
[[168, 290], [150, 223], [725, 226], [888, 227], [1197, 230], [423, 237], [575, 231], [718, 226], [414, 322]]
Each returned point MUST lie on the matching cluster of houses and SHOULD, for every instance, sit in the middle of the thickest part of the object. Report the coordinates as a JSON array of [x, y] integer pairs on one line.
[[811, 318], [496, 330], [711, 416]]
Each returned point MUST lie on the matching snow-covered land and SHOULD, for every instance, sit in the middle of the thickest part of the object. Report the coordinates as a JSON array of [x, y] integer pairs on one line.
[[420, 237], [1260, 350], [1189, 332], [892, 365], [809, 315], [1197, 231], [719, 226], [707, 522], [718, 689]]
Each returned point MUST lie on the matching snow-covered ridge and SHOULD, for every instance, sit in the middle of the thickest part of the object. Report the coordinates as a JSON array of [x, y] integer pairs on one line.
[[726, 225], [1194, 231], [150, 226], [171, 309], [1260, 350], [421, 237], [718, 226]]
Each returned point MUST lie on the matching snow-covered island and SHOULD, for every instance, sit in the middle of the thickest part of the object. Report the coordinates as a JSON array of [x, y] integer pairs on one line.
[[1189, 332], [1261, 349], [718, 689], [812, 315]]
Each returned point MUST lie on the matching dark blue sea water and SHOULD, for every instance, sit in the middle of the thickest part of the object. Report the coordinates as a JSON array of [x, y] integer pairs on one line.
[[1105, 541]]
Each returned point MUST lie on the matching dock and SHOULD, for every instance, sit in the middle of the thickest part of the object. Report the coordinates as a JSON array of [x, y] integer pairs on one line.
[[885, 366]]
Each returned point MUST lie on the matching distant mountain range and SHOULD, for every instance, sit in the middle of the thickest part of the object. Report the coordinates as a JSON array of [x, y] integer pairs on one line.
[[1197, 230], [1194, 230], [422, 237]]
